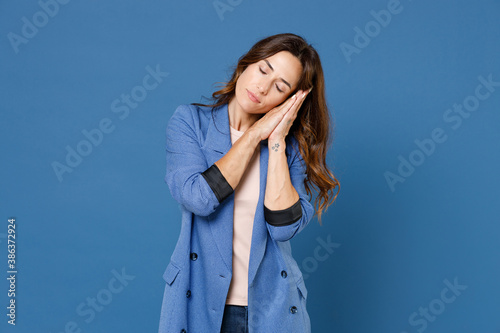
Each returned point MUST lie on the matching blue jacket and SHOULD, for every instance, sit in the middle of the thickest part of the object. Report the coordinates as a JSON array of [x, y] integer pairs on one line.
[[200, 268]]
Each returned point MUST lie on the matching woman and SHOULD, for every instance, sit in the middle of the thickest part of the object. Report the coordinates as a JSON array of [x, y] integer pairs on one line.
[[242, 171]]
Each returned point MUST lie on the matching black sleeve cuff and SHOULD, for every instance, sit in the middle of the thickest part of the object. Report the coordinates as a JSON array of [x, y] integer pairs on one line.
[[217, 182], [280, 218]]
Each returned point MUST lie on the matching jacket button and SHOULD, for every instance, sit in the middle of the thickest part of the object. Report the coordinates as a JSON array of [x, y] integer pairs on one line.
[[183, 331], [293, 309], [194, 256], [188, 293], [283, 274]]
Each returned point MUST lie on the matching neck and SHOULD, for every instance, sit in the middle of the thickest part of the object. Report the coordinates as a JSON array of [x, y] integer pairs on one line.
[[239, 119]]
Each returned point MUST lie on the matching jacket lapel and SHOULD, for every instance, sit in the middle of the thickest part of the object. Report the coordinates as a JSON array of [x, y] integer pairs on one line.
[[259, 233], [218, 135], [217, 144]]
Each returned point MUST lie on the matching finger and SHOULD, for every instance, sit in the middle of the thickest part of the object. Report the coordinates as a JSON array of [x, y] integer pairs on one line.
[[283, 108], [298, 103], [286, 105], [292, 100], [291, 115], [304, 95]]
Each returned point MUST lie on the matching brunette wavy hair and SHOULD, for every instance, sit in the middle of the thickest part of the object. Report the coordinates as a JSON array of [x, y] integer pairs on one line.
[[314, 128]]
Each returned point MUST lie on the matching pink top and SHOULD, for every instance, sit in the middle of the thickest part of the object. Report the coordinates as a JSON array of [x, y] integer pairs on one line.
[[246, 196]]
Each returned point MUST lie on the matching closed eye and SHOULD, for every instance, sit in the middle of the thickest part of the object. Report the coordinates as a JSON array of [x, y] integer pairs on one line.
[[265, 73]]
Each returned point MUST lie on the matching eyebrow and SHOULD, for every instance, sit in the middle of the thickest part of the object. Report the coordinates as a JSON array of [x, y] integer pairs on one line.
[[282, 79]]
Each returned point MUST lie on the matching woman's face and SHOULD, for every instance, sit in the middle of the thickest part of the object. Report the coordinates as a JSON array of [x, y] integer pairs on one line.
[[267, 83]]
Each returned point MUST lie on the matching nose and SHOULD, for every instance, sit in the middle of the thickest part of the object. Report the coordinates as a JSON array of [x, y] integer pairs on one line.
[[263, 87], [259, 89]]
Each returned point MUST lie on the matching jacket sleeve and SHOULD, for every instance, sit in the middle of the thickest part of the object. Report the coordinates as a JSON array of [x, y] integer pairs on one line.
[[198, 187], [296, 217]]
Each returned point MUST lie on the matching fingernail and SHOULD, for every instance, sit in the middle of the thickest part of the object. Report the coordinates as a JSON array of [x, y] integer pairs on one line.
[[310, 89], [294, 95]]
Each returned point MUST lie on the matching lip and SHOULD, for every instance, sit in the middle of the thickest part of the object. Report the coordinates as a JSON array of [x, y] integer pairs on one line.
[[252, 97]]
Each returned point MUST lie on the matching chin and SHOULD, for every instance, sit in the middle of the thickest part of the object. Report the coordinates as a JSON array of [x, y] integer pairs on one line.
[[256, 110]]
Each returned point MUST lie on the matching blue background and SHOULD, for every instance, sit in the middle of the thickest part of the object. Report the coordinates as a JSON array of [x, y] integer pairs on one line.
[[394, 247]]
